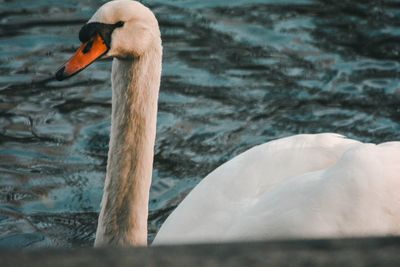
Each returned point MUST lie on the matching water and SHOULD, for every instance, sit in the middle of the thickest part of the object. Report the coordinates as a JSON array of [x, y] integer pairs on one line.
[[235, 75]]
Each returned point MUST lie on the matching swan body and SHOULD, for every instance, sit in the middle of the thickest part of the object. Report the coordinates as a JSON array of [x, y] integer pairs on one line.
[[304, 186]]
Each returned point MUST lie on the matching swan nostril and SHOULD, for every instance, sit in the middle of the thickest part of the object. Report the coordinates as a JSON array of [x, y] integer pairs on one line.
[[60, 74], [88, 46]]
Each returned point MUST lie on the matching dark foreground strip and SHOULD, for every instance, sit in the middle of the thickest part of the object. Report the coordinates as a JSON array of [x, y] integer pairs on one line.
[[345, 252]]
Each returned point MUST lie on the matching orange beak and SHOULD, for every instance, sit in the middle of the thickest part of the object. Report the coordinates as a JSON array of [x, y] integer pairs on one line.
[[83, 57]]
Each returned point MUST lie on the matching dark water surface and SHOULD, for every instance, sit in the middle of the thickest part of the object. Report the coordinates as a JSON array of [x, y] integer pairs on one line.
[[236, 73]]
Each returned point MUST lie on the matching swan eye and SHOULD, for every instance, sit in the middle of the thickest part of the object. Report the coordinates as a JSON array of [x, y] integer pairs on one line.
[[119, 24]]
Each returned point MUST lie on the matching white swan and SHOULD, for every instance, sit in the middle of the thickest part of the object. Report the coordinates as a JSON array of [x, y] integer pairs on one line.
[[321, 185]]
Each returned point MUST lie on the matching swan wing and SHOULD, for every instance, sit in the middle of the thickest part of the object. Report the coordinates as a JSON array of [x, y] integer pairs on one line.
[[299, 186]]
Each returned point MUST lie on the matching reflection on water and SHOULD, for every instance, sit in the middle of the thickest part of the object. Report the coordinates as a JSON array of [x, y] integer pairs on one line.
[[235, 75]]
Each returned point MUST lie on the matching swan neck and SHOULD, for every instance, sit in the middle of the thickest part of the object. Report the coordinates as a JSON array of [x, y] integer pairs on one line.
[[124, 212]]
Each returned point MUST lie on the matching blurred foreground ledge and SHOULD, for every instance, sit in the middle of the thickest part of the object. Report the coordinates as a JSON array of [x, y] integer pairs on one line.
[[327, 252]]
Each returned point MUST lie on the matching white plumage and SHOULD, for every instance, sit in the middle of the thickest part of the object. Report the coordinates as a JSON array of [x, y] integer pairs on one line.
[[304, 186]]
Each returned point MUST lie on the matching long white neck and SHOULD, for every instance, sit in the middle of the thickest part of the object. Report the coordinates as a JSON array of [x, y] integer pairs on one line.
[[124, 211]]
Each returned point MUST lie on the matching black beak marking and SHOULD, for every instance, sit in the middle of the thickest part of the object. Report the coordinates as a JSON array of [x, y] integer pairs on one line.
[[105, 30], [60, 74]]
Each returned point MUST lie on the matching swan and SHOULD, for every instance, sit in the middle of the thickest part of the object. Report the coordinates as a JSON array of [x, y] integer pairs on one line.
[[303, 186]]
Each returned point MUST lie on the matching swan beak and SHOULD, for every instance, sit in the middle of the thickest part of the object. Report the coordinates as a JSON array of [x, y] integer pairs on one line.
[[83, 57]]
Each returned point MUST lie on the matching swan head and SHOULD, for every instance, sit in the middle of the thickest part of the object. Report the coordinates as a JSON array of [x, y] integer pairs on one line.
[[123, 29]]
